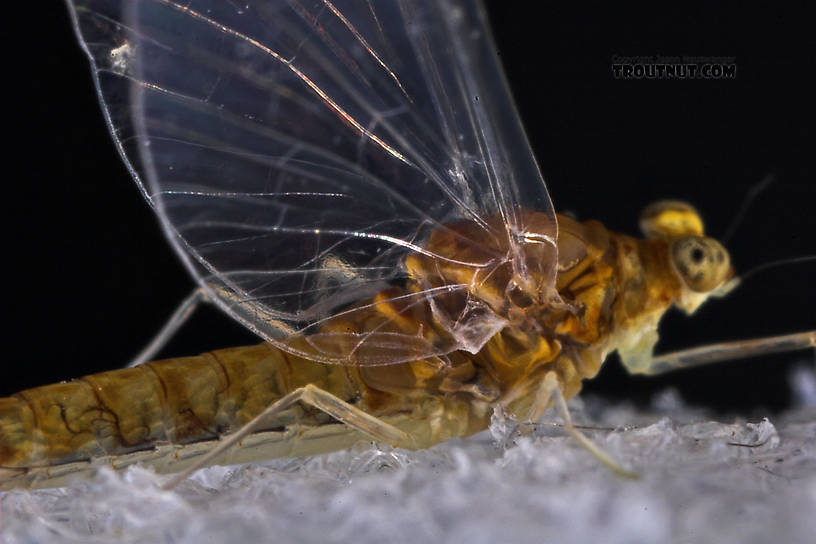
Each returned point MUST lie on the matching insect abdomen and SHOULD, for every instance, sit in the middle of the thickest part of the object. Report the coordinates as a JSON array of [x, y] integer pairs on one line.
[[173, 401]]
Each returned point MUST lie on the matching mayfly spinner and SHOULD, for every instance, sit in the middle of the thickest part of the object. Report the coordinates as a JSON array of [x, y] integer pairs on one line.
[[351, 182]]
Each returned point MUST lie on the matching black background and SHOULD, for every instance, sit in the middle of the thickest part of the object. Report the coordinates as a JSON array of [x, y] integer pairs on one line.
[[89, 277]]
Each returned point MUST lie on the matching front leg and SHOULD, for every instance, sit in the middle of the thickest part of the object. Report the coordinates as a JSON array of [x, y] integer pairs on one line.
[[714, 353]]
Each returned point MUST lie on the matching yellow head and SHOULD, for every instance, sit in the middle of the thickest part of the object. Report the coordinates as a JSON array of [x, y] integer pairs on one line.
[[700, 263], [675, 265]]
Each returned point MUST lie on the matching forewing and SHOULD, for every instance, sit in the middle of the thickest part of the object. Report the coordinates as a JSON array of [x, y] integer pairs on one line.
[[297, 151]]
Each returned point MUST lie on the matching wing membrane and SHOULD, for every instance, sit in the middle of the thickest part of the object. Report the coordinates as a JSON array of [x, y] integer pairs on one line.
[[297, 151]]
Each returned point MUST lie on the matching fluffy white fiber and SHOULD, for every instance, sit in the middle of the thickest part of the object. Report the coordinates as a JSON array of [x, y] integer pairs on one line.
[[702, 481]]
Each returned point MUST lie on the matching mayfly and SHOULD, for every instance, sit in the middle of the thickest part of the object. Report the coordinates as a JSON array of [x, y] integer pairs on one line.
[[351, 182]]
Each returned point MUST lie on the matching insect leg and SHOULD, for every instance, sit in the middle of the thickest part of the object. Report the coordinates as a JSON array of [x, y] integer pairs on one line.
[[179, 317], [551, 388], [727, 350], [310, 395]]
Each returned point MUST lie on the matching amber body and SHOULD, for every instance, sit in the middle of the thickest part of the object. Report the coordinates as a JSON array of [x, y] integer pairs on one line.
[[612, 290]]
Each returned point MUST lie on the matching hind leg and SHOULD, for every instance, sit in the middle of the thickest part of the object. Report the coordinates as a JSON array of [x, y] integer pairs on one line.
[[315, 397], [180, 316]]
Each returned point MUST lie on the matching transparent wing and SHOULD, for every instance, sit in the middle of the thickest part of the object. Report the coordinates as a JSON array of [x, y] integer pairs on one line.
[[298, 151]]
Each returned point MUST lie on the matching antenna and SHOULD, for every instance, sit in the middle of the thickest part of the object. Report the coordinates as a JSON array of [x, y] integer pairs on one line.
[[749, 198], [780, 262]]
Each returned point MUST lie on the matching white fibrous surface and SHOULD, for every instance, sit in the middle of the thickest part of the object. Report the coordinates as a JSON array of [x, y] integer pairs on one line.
[[701, 481]]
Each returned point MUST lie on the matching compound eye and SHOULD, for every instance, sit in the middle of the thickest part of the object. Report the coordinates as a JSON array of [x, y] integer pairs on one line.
[[701, 262]]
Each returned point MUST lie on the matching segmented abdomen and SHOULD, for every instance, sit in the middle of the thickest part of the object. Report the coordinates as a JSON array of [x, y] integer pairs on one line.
[[173, 401]]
